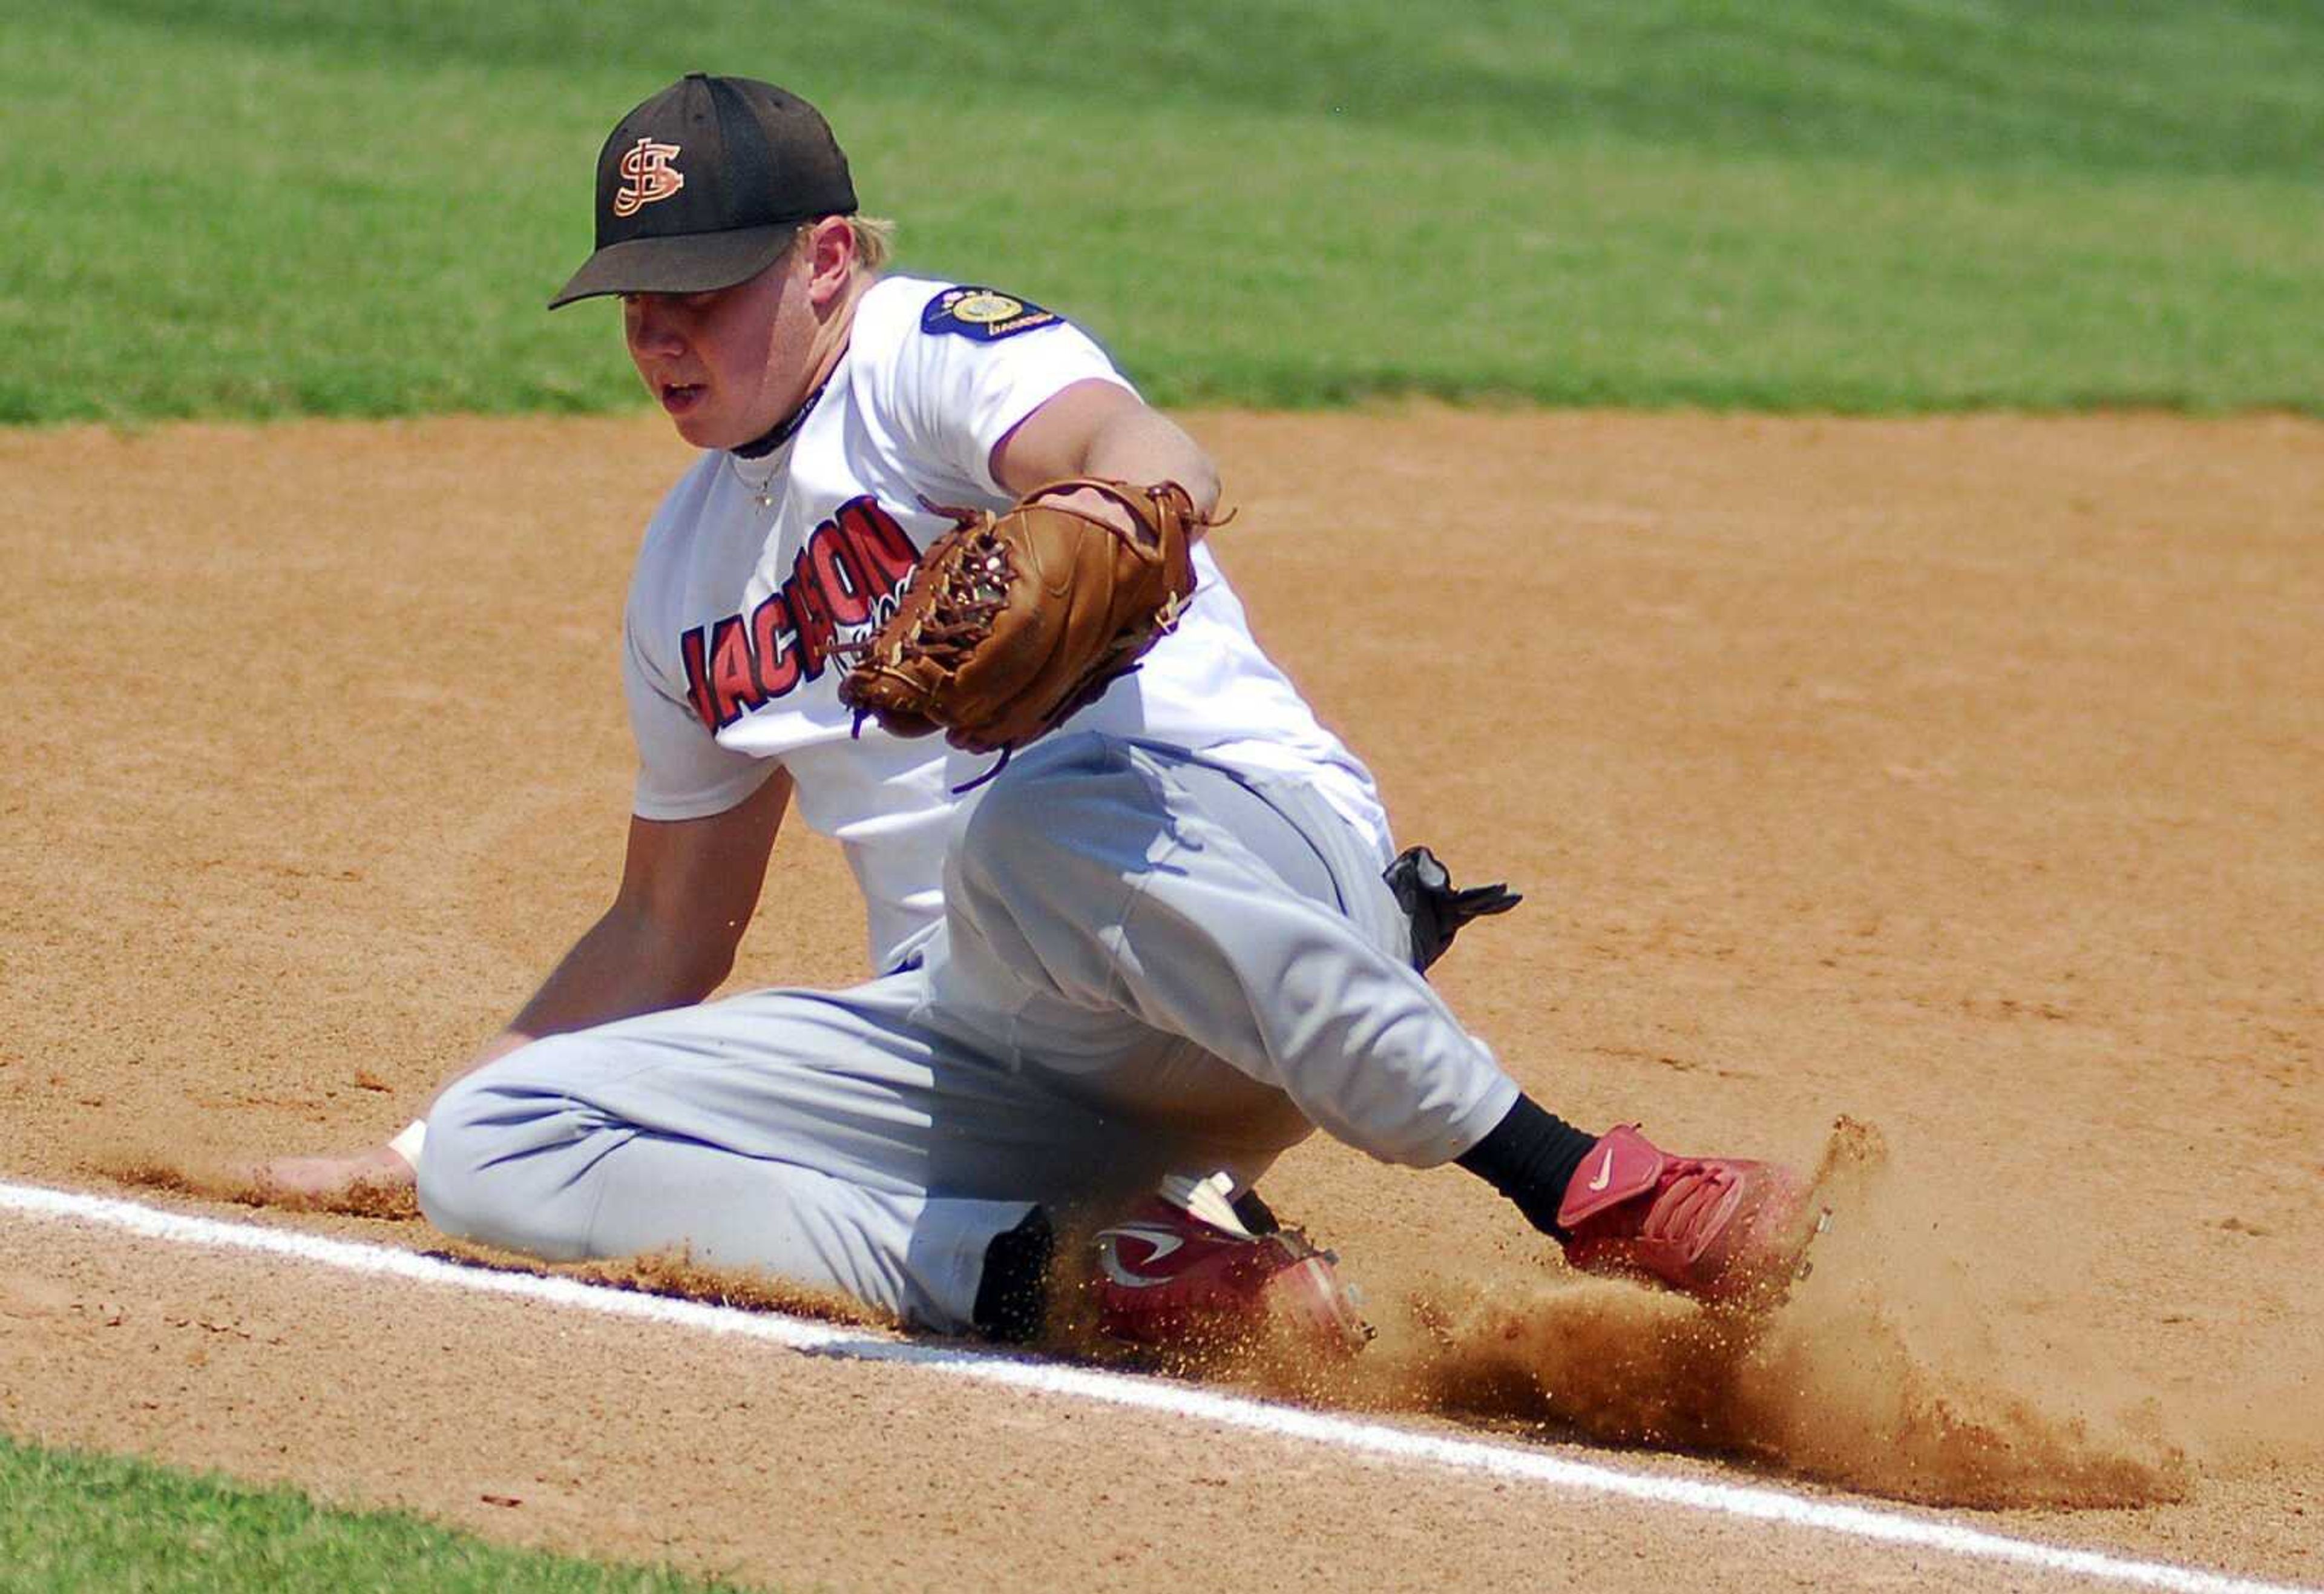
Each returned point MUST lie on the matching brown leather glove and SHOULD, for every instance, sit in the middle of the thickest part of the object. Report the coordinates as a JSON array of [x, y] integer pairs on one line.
[[1013, 621]]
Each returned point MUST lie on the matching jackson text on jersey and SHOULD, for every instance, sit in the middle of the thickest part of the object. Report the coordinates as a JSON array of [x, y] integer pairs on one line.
[[848, 575]]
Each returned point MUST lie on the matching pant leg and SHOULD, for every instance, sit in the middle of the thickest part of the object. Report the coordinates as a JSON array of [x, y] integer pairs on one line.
[[1123, 916], [818, 1136]]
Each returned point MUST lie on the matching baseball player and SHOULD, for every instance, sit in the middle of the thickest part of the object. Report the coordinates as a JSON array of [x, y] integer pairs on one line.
[[1117, 978]]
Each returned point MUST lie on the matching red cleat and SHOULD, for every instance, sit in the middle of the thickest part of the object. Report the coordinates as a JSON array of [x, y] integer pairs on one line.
[[1181, 1268], [1725, 1231]]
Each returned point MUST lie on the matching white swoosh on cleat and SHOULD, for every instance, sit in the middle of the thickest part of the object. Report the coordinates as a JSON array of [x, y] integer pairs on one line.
[[1109, 1256], [1605, 1172]]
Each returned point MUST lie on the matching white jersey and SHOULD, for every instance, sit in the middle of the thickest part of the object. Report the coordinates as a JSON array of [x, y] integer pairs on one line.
[[753, 570]]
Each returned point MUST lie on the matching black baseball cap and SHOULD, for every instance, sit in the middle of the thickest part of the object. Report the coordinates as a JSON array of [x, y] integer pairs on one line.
[[703, 185]]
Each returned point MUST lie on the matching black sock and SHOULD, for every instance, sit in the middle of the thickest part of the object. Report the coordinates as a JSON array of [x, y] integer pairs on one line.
[[1013, 1296], [1530, 1157], [1256, 1215]]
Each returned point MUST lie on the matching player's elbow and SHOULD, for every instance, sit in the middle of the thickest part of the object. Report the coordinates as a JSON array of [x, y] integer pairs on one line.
[[1204, 488], [1176, 456]]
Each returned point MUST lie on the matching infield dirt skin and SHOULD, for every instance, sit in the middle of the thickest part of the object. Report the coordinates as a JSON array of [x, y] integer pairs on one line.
[[1955, 778]]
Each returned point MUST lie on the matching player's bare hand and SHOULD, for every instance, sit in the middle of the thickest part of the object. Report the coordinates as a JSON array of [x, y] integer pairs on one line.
[[327, 1180]]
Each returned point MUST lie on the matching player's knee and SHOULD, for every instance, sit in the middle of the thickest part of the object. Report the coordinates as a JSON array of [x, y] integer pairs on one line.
[[455, 1161], [480, 1170]]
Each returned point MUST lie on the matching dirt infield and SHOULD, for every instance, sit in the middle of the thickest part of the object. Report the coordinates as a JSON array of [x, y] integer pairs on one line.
[[1959, 776]]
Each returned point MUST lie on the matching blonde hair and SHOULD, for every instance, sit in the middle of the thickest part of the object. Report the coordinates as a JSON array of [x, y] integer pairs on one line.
[[875, 240]]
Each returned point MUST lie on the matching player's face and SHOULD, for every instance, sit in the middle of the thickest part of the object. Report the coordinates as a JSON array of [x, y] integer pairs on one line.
[[728, 365]]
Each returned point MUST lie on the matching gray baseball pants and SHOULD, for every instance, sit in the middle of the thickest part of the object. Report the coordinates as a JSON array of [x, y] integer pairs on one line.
[[1148, 964]]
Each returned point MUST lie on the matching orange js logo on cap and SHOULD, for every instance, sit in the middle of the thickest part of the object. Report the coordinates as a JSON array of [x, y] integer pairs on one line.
[[651, 177]]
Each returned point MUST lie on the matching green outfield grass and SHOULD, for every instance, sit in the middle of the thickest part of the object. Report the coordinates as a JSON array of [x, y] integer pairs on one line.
[[357, 207], [70, 1524]]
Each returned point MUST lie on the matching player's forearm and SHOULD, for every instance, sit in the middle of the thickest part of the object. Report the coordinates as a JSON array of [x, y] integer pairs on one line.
[[624, 964]]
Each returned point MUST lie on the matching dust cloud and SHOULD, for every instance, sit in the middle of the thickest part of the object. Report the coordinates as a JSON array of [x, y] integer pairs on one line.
[[242, 1188], [1869, 1375]]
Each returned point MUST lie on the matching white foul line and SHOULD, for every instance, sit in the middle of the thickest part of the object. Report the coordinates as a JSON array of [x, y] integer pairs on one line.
[[1380, 1439]]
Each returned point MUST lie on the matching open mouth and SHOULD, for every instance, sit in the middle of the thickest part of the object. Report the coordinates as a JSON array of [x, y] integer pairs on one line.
[[678, 397]]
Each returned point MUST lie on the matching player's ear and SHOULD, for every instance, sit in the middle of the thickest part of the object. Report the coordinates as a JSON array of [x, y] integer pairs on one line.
[[830, 245]]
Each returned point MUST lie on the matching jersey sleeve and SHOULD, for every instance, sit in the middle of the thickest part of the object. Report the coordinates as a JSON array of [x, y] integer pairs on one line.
[[976, 363], [683, 773]]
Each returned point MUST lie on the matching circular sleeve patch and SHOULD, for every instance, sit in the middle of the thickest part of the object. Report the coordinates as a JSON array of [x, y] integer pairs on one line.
[[983, 314]]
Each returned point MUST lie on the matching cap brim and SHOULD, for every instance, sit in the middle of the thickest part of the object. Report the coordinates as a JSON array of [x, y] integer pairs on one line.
[[693, 263]]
